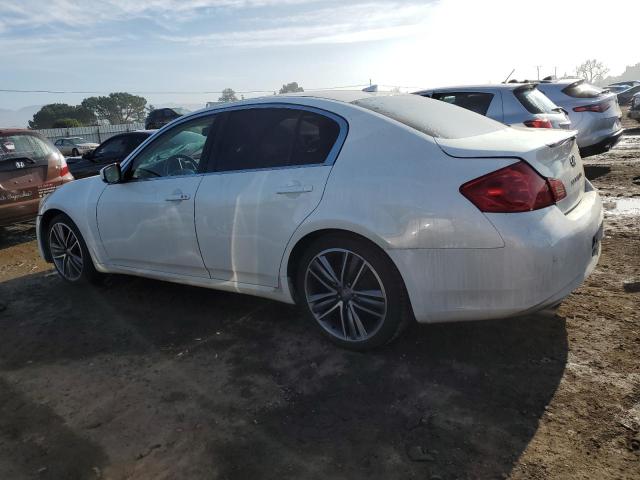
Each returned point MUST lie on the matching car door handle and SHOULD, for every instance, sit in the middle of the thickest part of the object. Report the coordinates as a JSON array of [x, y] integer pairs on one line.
[[285, 189], [177, 197]]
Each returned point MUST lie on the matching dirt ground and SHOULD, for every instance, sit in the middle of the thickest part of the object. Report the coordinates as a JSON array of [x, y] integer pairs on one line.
[[139, 379]]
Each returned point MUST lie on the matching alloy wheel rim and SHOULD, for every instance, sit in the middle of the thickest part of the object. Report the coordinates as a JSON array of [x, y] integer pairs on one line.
[[345, 295], [66, 251]]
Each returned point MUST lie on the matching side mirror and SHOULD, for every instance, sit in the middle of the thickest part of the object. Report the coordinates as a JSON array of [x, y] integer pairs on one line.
[[111, 173]]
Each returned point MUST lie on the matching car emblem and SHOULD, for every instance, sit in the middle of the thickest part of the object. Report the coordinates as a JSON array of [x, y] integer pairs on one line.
[[572, 160], [20, 164]]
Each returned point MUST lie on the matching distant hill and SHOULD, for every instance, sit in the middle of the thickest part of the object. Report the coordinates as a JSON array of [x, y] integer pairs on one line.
[[18, 118], [631, 73]]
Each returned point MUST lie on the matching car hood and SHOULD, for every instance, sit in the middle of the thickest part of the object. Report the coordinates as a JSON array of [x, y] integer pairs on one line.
[[82, 167]]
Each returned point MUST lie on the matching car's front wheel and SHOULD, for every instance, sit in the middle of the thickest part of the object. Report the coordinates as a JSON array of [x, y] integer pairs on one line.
[[352, 291], [69, 252]]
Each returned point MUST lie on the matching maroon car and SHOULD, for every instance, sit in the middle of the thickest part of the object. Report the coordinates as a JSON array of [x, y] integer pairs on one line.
[[30, 167]]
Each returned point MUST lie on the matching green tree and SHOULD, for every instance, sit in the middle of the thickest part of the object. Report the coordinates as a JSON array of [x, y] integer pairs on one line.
[[228, 95], [117, 107], [49, 114], [291, 88], [66, 123]]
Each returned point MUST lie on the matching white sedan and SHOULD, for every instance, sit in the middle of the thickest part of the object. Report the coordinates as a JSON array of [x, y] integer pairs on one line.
[[75, 146], [368, 210]]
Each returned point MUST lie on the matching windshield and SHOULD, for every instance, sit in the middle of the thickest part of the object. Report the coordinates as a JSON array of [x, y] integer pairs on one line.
[[432, 117]]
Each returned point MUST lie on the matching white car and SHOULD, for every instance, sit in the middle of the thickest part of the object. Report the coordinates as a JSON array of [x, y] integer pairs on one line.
[[368, 210], [75, 146], [594, 113]]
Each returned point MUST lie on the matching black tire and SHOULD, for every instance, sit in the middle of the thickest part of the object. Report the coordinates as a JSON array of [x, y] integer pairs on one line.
[[87, 272], [378, 329], [75, 152]]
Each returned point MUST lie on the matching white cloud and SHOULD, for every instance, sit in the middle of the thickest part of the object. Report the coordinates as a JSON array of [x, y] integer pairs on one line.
[[34, 13], [348, 23]]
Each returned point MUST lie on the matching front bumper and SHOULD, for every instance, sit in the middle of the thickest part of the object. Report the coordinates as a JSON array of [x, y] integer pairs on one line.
[[547, 255]]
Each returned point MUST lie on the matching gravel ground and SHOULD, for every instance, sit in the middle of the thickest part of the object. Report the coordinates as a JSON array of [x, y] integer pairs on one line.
[[139, 379]]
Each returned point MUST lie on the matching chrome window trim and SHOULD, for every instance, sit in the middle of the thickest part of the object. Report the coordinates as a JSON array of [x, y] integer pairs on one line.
[[330, 160]]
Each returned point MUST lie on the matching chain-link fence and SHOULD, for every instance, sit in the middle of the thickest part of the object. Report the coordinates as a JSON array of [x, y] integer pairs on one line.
[[95, 134]]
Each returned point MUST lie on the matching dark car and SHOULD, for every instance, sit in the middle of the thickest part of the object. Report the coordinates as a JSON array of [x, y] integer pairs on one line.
[[634, 110], [625, 96], [630, 83], [30, 168], [112, 150], [161, 116]]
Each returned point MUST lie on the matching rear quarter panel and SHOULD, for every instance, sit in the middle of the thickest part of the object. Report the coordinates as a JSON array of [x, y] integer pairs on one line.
[[395, 186]]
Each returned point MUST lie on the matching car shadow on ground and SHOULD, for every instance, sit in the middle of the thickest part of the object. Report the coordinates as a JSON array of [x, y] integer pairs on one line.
[[16, 234], [35, 442], [450, 401]]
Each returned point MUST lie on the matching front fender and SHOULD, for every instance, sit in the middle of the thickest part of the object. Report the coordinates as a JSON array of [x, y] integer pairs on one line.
[[77, 200]]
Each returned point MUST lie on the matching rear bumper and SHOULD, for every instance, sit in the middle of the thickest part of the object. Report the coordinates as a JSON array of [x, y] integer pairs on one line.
[[602, 146], [546, 256], [16, 212]]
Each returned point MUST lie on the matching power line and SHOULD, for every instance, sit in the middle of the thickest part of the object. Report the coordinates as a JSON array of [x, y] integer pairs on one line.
[[185, 92]]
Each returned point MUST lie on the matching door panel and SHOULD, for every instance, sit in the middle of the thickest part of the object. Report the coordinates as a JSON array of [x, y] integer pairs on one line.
[[149, 225], [245, 219]]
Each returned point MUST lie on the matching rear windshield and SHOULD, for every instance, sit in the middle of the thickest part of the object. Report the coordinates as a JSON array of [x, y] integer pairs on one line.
[[14, 146], [582, 89], [534, 100], [475, 101], [432, 117]]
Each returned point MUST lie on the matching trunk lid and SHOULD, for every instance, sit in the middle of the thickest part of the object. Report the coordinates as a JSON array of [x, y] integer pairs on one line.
[[552, 153]]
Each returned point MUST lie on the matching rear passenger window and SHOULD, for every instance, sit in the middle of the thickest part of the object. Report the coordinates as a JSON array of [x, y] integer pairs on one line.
[[275, 137], [315, 138], [475, 101]]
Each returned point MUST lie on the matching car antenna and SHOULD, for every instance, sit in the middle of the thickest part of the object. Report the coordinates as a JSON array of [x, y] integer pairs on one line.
[[509, 76]]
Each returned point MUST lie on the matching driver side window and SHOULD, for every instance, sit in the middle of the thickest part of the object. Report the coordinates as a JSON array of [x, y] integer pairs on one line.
[[176, 152]]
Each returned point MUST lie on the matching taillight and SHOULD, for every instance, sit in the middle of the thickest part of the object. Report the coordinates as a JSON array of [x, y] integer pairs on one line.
[[62, 165], [538, 123], [557, 189], [516, 188], [598, 107]]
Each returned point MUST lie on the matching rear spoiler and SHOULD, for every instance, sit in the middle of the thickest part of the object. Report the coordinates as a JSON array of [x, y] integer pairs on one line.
[[562, 142]]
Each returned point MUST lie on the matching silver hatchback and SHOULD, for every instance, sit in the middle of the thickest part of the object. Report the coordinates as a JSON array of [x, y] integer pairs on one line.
[[515, 104], [593, 111]]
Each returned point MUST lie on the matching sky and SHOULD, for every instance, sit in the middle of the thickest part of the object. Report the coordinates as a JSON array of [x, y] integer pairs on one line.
[[184, 51]]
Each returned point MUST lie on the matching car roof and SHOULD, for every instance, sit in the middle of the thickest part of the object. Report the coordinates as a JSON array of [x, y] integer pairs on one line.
[[561, 81], [343, 96], [488, 86], [15, 131], [134, 132]]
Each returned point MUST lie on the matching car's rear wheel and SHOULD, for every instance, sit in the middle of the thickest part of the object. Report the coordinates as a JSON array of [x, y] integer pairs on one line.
[[352, 291], [75, 153], [69, 252]]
